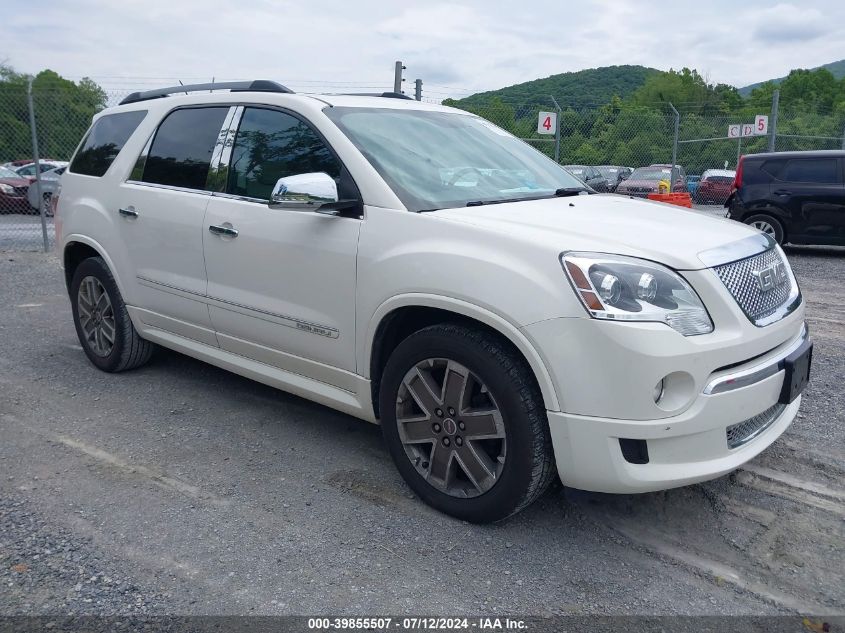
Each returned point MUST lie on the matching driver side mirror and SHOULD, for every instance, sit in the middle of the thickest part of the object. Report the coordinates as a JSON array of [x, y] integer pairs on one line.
[[305, 192]]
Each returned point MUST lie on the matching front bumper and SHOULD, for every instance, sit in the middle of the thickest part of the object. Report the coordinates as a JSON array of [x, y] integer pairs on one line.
[[608, 396]]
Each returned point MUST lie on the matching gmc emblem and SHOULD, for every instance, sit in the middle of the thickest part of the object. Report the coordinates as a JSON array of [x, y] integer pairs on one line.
[[771, 276]]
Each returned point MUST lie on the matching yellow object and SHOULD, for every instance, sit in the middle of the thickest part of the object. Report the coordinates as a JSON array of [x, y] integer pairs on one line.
[[663, 186]]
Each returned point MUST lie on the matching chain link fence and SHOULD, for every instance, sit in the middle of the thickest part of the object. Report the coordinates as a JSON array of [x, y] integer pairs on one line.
[[620, 134], [612, 134]]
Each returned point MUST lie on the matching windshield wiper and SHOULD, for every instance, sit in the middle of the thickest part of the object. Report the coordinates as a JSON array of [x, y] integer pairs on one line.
[[480, 203], [571, 191]]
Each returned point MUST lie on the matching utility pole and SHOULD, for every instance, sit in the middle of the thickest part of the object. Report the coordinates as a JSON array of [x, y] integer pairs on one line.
[[418, 89], [398, 78], [773, 120]]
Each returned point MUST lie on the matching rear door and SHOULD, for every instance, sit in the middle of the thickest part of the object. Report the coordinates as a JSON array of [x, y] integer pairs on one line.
[[161, 207], [813, 192]]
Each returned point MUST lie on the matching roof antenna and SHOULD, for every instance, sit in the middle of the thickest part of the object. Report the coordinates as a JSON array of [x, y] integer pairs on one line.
[[181, 84], [212, 85]]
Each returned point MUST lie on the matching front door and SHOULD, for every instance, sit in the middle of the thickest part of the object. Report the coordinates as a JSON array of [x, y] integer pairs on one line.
[[281, 283]]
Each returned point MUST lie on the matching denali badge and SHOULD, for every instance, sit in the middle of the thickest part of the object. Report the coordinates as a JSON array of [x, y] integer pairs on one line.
[[771, 276]]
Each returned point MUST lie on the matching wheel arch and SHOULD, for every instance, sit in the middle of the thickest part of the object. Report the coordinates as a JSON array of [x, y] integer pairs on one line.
[[401, 316], [78, 248]]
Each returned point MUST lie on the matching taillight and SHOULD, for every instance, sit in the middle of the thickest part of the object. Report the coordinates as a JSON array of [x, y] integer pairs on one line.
[[738, 177], [54, 200]]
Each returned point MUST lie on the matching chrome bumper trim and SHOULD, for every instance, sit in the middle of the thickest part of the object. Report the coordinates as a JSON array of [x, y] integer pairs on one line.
[[755, 373]]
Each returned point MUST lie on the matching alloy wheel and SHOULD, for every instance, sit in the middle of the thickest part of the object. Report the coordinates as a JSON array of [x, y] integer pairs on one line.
[[96, 316], [765, 227], [451, 428]]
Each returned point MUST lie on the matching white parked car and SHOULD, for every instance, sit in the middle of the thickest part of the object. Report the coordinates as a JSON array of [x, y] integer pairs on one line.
[[416, 266]]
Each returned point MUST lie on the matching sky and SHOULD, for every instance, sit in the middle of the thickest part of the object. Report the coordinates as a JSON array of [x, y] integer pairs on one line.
[[456, 48]]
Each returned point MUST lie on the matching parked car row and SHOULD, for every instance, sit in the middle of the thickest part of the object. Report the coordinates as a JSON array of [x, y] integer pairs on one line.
[[17, 191], [711, 187]]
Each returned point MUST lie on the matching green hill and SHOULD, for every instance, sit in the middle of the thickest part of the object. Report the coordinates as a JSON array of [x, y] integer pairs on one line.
[[837, 69], [593, 86]]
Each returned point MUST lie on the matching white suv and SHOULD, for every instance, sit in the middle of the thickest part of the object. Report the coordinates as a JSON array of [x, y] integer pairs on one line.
[[416, 266]]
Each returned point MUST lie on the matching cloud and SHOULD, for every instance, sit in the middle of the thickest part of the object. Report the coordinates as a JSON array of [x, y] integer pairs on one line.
[[788, 23], [454, 47]]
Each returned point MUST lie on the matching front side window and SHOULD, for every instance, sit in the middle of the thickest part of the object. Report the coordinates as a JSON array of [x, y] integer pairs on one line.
[[270, 145], [434, 160], [104, 141], [817, 170], [180, 154]]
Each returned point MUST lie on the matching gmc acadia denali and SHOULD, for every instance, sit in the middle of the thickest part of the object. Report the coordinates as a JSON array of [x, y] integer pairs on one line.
[[416, 266]]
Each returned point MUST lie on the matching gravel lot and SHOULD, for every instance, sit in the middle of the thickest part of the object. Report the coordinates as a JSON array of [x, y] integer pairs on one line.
[[180, 488]]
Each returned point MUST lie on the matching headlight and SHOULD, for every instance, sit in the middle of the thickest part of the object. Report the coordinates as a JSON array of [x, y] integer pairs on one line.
[[619, 288], [6, 188]]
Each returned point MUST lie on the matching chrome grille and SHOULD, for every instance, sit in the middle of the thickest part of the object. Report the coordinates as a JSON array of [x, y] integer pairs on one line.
[[741, 282], [744, 432]]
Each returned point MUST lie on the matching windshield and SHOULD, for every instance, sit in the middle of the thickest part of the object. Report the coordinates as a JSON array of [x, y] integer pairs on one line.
[[608, 172], [650, 173], [8, 173], [436, 160]]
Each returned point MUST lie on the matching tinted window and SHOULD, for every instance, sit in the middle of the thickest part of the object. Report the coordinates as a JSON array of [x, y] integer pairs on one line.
[[270, 145], [181, 151], [819, 170], [104, 142]]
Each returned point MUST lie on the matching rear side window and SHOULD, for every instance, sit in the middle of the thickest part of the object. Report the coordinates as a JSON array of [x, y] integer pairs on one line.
[[180, 154], [270, 145], [104, 141], [817, 170]]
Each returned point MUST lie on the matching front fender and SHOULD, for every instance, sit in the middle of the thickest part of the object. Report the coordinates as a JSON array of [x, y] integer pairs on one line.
[[496, 321]]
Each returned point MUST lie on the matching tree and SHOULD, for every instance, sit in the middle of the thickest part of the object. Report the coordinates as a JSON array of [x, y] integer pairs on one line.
[[63, 111]]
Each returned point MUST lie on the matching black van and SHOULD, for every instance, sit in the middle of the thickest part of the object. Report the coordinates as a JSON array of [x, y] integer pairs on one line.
[[796, 197]]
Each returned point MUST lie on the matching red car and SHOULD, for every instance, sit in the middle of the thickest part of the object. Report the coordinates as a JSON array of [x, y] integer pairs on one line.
[[715, 186], [13, 191]]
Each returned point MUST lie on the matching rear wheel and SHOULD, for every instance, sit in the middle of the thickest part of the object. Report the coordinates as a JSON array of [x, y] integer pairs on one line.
[[102, 322], [768, 225], [465, 423]]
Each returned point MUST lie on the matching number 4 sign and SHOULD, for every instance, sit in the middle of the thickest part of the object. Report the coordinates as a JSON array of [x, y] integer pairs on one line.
[[547, 123]]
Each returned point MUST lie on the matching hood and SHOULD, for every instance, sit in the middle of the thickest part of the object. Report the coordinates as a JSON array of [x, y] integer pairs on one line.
[[668, 234], [15, 182]]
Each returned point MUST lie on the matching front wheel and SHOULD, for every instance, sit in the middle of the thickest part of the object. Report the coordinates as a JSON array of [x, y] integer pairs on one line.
[[768, 225], [465, 423]]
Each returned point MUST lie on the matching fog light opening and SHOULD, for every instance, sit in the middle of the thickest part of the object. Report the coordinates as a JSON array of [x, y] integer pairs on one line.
[[659, 390]]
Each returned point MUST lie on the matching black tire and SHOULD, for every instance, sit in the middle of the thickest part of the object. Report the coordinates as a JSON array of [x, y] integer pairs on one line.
[[529, 465], [128, 350], [777, 228]]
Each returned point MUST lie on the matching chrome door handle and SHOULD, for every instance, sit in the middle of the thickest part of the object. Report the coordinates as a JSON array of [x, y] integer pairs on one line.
[[223, 230], [783, 192], [128, 212]]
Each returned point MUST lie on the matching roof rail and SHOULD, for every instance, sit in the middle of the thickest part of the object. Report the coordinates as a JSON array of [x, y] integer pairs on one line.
[[258, 85], [386, 95]]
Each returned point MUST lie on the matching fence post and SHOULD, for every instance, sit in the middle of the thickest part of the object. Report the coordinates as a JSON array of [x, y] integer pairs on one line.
[[35, 157], [675, 145], [418, 89], [843, 138], [773, 123], [557, 130]]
